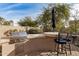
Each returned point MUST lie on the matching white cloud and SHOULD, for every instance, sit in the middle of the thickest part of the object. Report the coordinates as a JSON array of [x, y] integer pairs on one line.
[[19, 14], [10, 6]]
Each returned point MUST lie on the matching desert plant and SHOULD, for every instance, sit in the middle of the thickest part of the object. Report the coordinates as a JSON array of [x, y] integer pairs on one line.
[[34, 31], [14, 30]]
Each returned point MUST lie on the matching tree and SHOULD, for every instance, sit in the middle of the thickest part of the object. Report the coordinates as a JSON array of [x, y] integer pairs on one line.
[[44, 19], [11, 22], [74, 25], [1, 20], [27, 21], [62, 13], [6, 23]]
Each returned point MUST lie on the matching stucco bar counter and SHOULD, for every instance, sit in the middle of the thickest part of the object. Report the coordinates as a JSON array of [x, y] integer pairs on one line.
[[3, 42], [33, 42]]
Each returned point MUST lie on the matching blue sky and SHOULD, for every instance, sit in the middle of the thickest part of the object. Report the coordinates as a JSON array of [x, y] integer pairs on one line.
[[16, 11]]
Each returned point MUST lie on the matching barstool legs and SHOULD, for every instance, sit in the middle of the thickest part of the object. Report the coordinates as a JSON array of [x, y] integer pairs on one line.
[[70, 48], [63, 48], [55, 48], [58, 49]]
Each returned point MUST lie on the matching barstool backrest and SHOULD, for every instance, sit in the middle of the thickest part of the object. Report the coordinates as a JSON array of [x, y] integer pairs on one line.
[[58, 38], [62, 35], [69, 35]]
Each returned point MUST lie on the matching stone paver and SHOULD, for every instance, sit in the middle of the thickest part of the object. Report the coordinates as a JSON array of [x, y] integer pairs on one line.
[[75, 52]]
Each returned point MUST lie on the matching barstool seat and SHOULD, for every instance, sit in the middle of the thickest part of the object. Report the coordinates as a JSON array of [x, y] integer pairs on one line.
[[61, 41], [68, 40], [61, 44]]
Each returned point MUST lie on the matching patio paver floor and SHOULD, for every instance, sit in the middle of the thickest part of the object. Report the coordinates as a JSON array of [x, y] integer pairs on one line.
[[75, 52]]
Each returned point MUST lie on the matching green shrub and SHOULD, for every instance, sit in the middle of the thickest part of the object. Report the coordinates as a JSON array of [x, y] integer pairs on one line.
[[15, 30], [34, 31]]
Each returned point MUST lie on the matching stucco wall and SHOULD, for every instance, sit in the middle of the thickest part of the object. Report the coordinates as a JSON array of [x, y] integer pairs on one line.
[[5, 28], [8, 49]]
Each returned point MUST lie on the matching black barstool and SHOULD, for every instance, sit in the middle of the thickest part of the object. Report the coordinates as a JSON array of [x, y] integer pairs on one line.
[[64, 43], [61, 45]]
